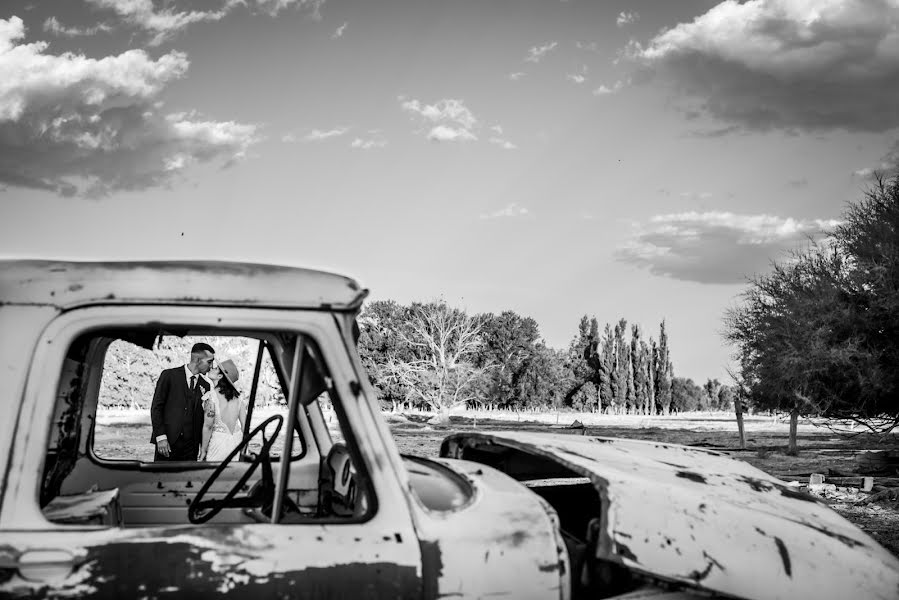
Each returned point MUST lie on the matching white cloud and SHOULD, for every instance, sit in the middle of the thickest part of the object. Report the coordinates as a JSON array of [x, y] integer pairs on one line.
[[512, 210], [786, 64], [368, 144], [497, 129], [52, 25], [504, 144], [288, 138], [626, 18], [78, 125], [446, 133], [603, 90], [452, 121], [165, 22], [589, 47], [716, 247], [274, 7], [576, 78], [316, 135], [516, 76], [339, 32], [162, 23], [536, 53], [444, 110]]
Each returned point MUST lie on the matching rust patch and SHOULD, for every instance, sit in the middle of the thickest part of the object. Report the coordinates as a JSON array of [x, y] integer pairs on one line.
[[837, 536], [552, 567], [784, 556], [431, 568], [691, 476], [625, 552], [712, 563], [757, 485], [153, 569]]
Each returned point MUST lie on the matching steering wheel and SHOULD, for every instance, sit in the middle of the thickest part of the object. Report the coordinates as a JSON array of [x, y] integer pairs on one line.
[[201, 510]]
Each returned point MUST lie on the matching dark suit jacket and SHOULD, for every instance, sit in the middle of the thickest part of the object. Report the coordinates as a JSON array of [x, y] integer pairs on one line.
[[167, 411]]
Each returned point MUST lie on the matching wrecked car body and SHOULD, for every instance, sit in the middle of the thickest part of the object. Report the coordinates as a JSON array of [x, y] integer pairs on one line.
[[318, 502]]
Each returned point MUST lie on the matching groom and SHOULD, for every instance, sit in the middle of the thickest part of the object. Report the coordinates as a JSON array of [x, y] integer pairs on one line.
[[176, 412]]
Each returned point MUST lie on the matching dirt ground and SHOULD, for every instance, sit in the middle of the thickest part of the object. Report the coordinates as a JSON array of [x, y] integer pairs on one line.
[[125, 435]]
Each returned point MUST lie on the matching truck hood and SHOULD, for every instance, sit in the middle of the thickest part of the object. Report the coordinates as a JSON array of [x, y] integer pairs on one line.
[[698, 518]]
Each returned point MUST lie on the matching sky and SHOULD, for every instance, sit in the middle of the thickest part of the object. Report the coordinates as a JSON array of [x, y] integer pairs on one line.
[[636, 160]]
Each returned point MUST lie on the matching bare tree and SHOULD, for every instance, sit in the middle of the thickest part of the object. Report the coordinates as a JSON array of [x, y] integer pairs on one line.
[[443, 342]]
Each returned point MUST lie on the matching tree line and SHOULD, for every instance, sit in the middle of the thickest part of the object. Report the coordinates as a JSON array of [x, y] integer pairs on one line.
[[435, 356]]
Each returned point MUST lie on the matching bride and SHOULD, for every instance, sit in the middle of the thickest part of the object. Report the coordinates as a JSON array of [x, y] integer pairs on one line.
[[225, 413]]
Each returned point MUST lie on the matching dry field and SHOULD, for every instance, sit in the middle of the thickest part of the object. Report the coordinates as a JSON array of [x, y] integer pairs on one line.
[[125, 434]]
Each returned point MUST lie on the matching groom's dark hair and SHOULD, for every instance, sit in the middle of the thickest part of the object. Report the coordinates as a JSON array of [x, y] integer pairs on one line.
[[201, 347]]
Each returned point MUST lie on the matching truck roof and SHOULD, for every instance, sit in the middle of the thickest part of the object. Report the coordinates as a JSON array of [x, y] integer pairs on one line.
[[67, 284]]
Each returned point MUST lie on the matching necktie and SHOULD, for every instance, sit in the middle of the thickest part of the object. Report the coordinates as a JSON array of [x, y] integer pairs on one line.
[[193, 381]]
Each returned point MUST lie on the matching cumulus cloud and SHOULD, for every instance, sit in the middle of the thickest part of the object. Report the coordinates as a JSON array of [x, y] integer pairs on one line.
[[338, 33], [162, 23], [786, 64], [52, 25], [536, 53], [510, 211], [78, 125], [575, 77], [368, 144], [450, 119], [716, 247], [588, 46], [626, 18], [888, 165], [515, 76], [317, 135]]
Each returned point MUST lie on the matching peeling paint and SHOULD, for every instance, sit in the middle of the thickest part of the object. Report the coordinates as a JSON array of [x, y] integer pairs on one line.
[[691, 476]]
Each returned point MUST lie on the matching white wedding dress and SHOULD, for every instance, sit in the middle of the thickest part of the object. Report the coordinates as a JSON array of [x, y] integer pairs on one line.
[[224, 439]]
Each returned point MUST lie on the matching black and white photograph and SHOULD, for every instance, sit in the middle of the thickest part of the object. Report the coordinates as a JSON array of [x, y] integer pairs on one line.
[[470, 299]]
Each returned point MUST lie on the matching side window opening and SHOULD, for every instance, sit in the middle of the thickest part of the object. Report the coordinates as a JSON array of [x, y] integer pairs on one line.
[[99, 464], [130, 373]]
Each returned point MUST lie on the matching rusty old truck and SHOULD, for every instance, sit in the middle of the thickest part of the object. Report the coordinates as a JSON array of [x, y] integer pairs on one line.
[[318, 502]]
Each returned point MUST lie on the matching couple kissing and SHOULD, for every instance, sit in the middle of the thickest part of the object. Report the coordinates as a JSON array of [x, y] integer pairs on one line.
[[196, 412]]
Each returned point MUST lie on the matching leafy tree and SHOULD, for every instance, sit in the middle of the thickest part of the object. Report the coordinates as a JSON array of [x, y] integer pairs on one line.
[[583, 362], [605, 364], [819, 334], [685, 395], [508, 342], [710, 396], [663, 372], [726, 397], [543, 378], [621, 368], [639, 366], [382, 325]]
